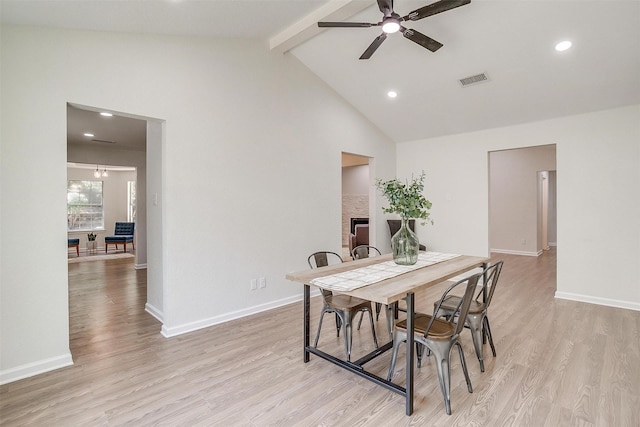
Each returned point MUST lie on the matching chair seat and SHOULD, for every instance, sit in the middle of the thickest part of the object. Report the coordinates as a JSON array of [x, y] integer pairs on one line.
[[451, 302], [118, 239], [440, 330], [344, 302]]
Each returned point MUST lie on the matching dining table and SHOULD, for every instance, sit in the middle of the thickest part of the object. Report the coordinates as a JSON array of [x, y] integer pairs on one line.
[[379, 279]]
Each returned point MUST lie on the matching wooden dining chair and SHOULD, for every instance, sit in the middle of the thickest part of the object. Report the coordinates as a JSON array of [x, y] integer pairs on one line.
[[477, 320], [439, 336], [344, 307]]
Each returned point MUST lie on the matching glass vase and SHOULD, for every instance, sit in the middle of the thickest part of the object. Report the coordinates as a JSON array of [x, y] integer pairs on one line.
[[405, 245]]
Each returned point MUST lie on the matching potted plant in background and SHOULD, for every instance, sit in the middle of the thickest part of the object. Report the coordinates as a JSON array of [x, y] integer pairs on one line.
[[406, 200], [91, 242]]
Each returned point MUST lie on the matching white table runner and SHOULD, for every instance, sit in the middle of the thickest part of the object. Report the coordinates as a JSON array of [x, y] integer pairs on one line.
[[363, 276]]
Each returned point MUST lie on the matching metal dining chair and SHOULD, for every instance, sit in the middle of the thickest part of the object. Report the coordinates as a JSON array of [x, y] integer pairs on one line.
[[364, 251], [477, 320], [439, 336], [344, 307]]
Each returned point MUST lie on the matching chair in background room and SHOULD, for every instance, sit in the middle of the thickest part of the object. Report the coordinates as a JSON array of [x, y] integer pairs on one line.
[[477, 320], [123, 233], [439, 336], [74, 243], [360, 236], [394, 226], [344, 307]]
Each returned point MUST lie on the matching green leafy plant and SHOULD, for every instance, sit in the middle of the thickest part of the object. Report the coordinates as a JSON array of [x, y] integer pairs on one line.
[[91, 236], [406, 199]]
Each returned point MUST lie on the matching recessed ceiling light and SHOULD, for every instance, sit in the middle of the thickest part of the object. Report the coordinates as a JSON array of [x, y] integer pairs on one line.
[[104, 113], [392, 94], [90, 135], [563, 45]]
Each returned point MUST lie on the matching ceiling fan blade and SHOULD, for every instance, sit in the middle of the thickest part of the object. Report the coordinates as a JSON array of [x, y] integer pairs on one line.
[[386, 7], [347, 24], [373, 46], [421, 39], [434, 8]]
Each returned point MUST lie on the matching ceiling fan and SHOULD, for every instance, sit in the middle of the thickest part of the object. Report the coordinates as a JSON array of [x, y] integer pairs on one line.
[[391, 23]]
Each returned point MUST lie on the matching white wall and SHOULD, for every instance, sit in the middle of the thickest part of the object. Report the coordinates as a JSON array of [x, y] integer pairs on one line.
[[552, 236], [355, 180], [155, 225], [598, 208], [250, 181]]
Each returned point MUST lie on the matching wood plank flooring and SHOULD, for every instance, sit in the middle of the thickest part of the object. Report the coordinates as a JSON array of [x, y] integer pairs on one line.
[[559, 363]]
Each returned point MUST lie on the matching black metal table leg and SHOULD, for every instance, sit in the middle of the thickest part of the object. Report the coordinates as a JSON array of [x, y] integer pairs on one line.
[[485, 265], [307, 309], [410, 341]]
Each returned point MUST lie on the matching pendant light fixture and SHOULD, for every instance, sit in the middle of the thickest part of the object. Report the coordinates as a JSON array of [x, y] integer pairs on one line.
[[99, 174]]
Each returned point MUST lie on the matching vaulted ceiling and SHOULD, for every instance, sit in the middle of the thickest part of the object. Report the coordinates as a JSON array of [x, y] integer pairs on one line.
[[511, 41]]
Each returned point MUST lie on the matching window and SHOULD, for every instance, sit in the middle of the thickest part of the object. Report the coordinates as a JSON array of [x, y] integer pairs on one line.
[[84, 205], [131, 201]]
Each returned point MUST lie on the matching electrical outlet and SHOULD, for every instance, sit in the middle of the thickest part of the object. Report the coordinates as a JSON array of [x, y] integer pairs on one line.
[[263, 282], [254, 284]]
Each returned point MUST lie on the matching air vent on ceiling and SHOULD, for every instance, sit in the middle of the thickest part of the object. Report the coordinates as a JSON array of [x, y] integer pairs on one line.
[[103, 140], [472, 80]]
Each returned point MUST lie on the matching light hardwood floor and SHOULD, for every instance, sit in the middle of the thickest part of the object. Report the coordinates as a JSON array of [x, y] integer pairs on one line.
[[559, 363]]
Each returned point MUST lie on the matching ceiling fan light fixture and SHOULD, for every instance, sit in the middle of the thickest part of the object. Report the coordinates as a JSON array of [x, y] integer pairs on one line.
[[391, 25]]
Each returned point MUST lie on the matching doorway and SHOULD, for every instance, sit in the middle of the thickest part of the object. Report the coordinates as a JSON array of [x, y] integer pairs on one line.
[[355, 201], [132, 142], [112, 141], [515, 199]]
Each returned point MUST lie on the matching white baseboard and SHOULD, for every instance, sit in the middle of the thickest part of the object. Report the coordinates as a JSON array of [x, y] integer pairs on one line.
[[205, 323], [599, 301], [154, 312], [510, 252], [140, 266], [35, 368]]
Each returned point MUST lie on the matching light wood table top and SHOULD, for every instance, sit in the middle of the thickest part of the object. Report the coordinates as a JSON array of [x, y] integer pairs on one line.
[[393, 289]]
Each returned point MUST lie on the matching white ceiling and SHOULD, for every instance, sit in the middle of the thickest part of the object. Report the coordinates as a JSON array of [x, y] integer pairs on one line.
[[512, 41], [117, 131]]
